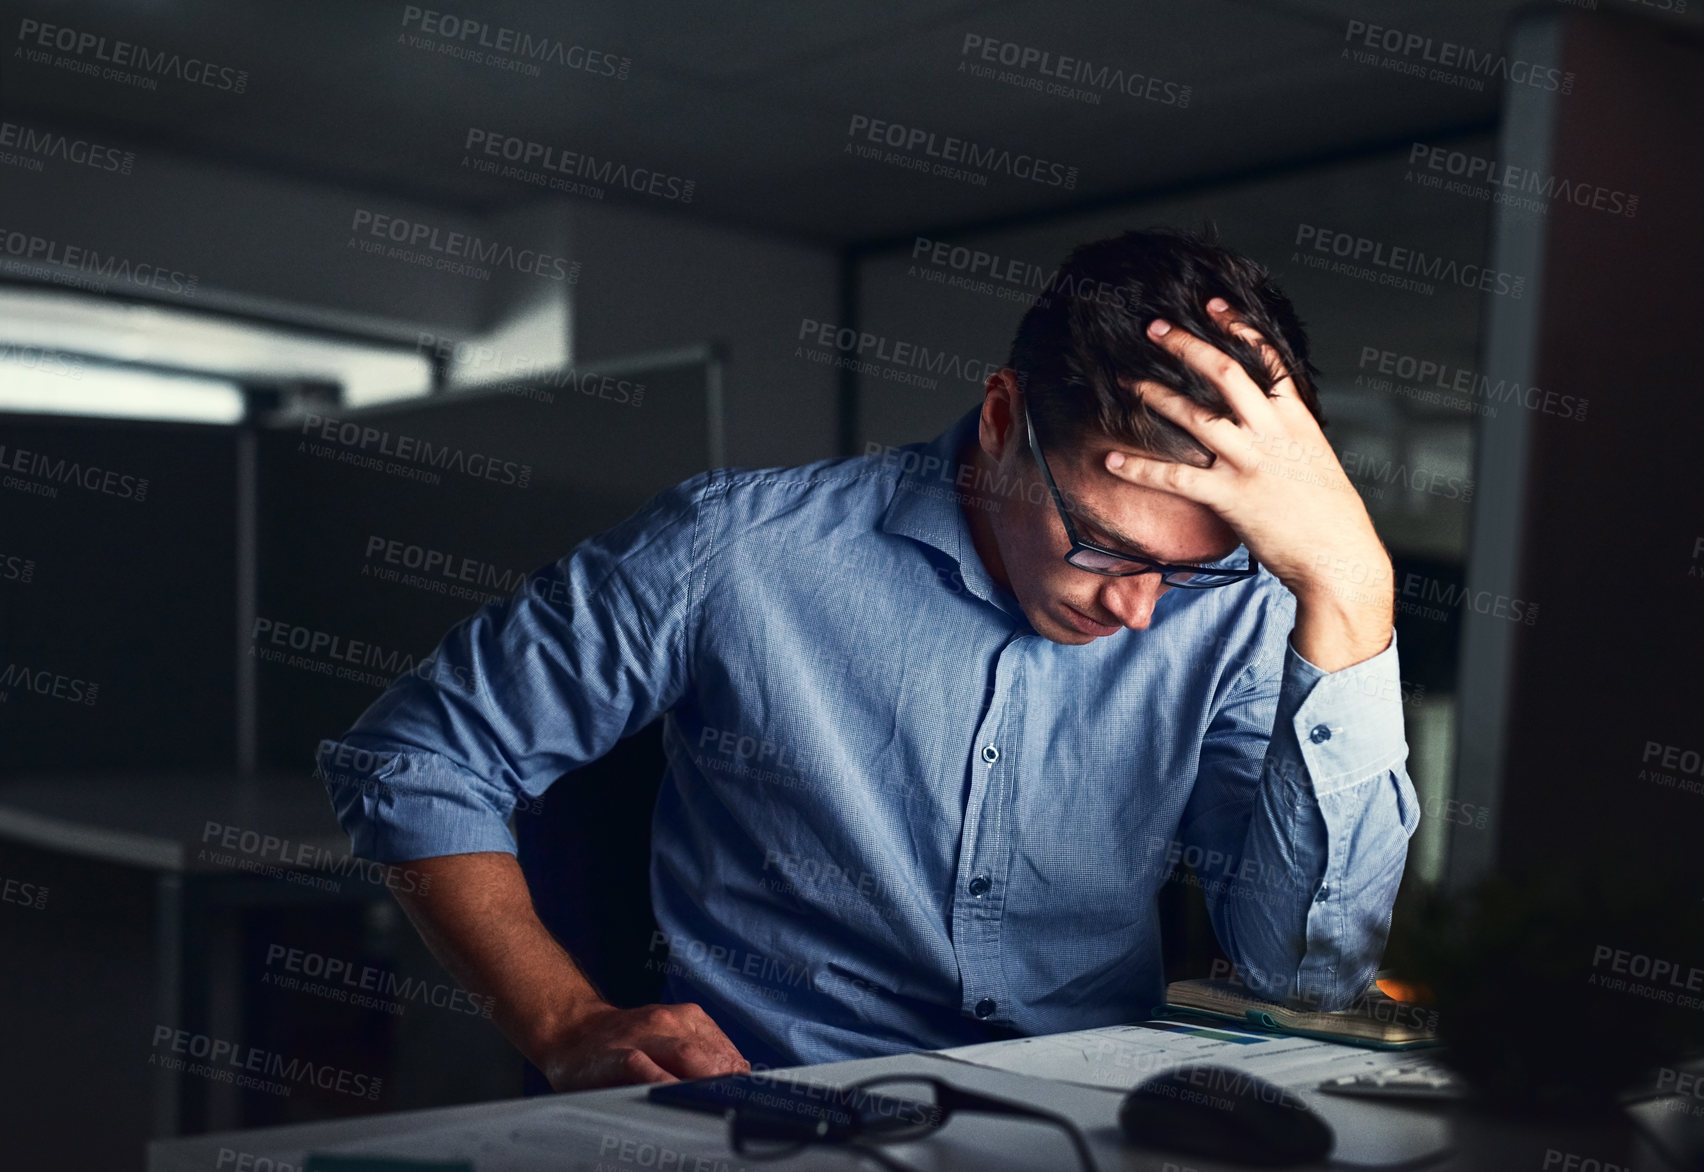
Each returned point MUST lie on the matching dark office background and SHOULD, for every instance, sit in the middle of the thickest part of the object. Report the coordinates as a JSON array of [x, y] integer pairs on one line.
[[1260, 118]]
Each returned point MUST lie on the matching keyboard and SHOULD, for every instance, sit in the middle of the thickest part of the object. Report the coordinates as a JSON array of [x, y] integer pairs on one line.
[[1414, 1080]]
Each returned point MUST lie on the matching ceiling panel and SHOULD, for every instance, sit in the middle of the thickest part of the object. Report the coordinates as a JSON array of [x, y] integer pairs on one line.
[[752, 102]]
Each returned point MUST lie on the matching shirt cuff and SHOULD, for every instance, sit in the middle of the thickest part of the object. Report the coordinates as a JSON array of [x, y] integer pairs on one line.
[[1348, 723], [412, 806]]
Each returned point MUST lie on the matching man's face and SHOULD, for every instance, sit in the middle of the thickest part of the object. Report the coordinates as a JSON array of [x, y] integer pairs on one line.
[[1063, 603]]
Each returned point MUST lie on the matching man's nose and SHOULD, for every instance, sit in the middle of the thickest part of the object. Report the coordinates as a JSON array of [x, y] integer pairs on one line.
[[1131, 600]]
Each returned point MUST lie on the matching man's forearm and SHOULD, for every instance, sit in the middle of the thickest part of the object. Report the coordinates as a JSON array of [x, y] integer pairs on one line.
[[1319, 859], [1345, 617], [477, 917]]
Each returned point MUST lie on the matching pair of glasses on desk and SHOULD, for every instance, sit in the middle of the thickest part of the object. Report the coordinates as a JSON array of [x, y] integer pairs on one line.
[[907, 1108]]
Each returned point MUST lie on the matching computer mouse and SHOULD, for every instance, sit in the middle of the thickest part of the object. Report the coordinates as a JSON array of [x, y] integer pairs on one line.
[[1224, 1114]]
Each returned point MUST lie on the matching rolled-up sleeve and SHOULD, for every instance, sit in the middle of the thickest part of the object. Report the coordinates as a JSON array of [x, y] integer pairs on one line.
[[587, 651], [1303, 790]]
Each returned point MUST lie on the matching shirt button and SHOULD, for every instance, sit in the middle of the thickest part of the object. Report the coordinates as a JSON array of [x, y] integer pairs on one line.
[[985, 1007], [979, 886], [1319, 733], [990, 754]]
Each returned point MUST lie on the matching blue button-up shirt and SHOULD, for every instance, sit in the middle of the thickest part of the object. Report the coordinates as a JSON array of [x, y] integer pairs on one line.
[[894, 816]]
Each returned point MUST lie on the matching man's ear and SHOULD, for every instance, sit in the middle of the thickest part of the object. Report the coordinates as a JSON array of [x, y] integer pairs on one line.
[[1001, 416]]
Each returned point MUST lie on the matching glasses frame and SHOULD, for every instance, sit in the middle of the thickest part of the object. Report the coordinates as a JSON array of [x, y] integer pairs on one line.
[[1147, 565], [948, 1100]]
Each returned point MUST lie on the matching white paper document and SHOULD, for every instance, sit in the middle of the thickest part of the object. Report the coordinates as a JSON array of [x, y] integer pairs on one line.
[[1119, 1057], [1368, 1134]]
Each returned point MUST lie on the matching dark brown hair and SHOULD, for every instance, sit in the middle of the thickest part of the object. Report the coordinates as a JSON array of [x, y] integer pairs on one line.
[[1089, 332]]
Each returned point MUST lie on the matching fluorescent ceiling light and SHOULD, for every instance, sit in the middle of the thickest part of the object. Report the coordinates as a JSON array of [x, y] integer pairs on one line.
[[66, 385], [205, 344]]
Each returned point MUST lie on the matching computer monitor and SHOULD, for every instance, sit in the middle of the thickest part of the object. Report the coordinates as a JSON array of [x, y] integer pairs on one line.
[[1582, 663]]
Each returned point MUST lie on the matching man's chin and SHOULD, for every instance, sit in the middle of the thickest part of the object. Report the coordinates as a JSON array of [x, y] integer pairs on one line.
[[1081, 624], [1056, 629]]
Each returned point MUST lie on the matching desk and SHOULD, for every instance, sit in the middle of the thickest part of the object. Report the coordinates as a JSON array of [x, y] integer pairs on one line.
[[617, 1130]]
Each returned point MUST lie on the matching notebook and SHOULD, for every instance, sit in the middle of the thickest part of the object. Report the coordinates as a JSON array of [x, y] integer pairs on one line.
[[1374, 1020]]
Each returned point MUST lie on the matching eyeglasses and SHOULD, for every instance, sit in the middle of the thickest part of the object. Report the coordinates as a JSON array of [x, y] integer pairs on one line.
[[853, 1117], [1237, 567]]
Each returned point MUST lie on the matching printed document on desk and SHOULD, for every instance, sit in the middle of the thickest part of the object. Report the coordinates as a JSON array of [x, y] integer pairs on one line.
[[1119, 1057], [1116, 1058]]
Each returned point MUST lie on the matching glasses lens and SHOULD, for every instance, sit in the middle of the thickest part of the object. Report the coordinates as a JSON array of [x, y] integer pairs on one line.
[[895, 1110], [1220, 573], [901, 1110], [1104, 563], [766, 1135], [891, 1112]]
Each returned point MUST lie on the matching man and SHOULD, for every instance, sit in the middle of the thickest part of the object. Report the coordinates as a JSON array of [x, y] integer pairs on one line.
[[939, 722]]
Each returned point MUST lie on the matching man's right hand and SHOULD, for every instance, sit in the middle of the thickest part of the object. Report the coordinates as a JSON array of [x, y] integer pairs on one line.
[[609, 1047], [476, 915]]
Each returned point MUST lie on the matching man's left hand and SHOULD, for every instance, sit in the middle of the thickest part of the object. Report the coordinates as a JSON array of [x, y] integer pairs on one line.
[[1278, 484]]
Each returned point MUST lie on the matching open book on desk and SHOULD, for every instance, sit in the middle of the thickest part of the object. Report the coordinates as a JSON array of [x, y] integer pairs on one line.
[[1374, 1020]]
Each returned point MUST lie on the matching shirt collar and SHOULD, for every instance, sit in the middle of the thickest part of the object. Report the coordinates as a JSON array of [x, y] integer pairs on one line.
[[925, 507]]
